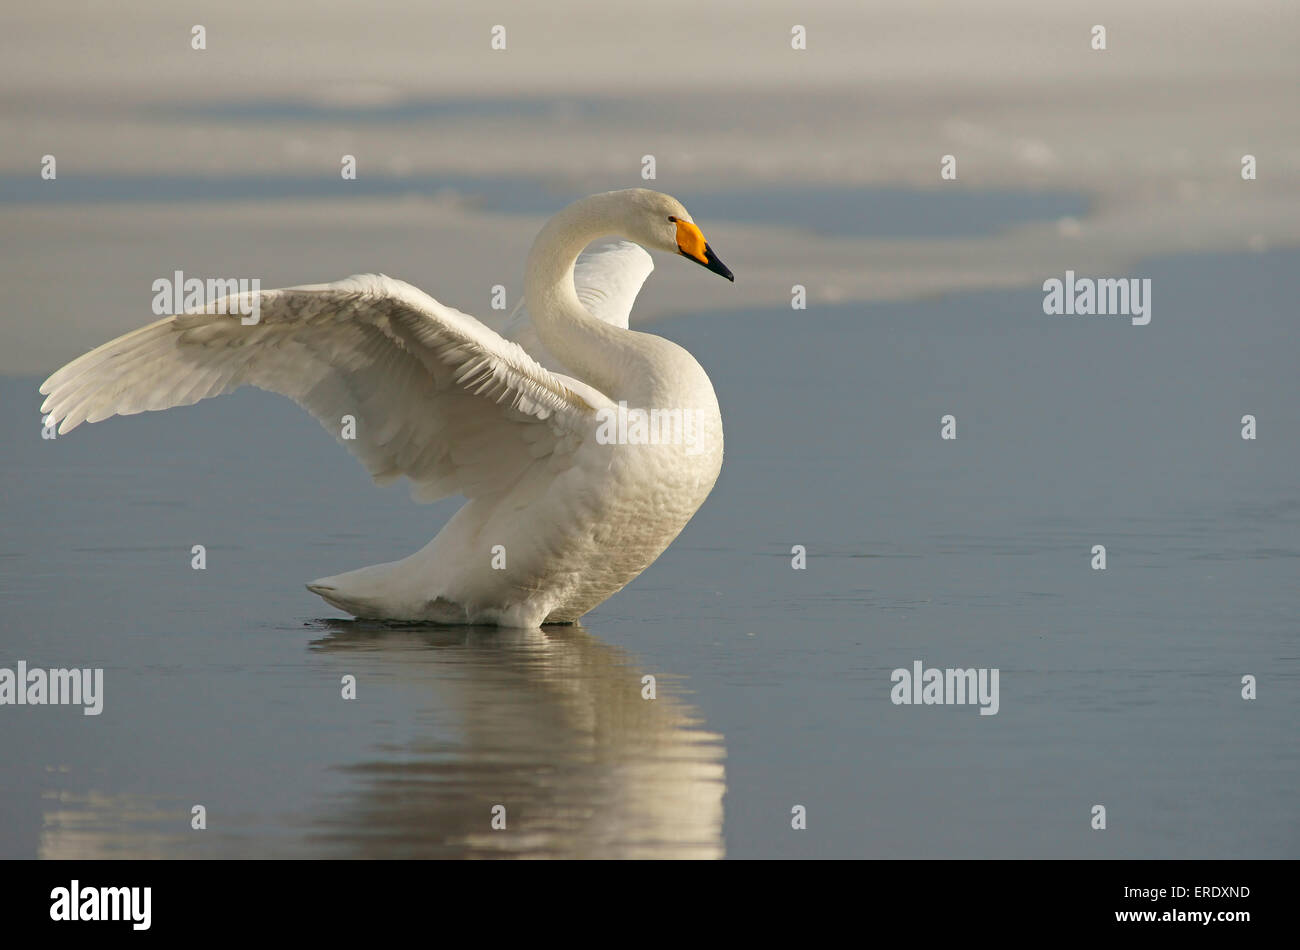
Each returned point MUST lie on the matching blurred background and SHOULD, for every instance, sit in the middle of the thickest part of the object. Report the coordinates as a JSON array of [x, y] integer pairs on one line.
[[817, 166]]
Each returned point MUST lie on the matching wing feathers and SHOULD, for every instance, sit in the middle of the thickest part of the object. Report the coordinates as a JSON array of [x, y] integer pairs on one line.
[[435, 396]]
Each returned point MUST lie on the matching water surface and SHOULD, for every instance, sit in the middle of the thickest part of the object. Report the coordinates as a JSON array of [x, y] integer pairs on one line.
[[1119, 687]]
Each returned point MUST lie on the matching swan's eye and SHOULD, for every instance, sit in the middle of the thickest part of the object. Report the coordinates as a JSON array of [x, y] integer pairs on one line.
[[672, 218]]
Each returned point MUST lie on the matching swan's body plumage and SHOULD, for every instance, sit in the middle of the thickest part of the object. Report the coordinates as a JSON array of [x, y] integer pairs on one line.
[[557, 519]]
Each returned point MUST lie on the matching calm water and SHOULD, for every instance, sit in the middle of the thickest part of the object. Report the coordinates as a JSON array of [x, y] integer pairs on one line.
[[1119, 687]]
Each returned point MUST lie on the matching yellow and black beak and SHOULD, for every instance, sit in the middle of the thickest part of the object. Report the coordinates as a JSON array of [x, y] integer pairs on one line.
[[691, 243]]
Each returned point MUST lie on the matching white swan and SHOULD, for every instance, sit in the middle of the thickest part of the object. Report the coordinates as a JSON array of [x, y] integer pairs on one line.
[[569, 497]]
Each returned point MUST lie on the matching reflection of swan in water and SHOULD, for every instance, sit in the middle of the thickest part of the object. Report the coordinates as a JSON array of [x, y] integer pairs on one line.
[[550, 724], [100, 826], [553, 726]]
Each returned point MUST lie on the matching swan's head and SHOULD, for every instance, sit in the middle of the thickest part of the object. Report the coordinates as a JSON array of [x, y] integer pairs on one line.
[[661, 222]]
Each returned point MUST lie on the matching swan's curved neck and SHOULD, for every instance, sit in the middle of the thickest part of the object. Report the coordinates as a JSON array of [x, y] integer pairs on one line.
[[593, 350]]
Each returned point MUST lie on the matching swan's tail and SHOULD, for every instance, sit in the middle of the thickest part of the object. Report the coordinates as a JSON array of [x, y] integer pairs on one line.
[[364, 594], [332, 595]]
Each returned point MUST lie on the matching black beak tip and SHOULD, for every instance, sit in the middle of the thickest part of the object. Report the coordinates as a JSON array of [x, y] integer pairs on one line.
[[716, 265]]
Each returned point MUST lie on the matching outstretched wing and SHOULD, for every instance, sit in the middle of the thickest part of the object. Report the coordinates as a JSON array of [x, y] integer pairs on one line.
[[436, 396]]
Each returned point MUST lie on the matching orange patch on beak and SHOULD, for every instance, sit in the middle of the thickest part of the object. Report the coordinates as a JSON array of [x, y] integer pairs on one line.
[[690, 241]]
